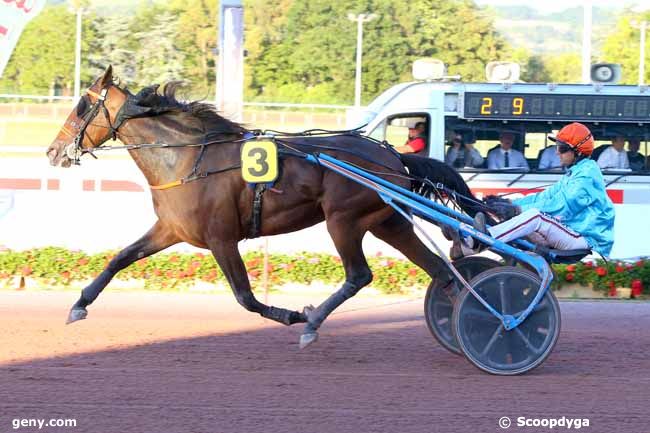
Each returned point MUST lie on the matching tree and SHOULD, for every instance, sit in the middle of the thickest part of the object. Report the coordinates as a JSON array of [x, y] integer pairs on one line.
[[196, 36], [157, 58], [622, 46], [45, 53], [315, 59]]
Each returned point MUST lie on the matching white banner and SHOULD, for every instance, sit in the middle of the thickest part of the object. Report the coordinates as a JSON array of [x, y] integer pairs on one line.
[[14, 16]]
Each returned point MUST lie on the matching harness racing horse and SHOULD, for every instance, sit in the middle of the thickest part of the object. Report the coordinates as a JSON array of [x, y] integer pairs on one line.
[[213, 209]]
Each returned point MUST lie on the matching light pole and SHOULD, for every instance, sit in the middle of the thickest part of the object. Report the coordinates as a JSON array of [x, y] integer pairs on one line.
[[360, 19], [78, 7], [586, 42], [641, 26]]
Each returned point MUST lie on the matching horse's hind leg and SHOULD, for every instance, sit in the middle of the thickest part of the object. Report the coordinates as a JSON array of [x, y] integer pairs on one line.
[[156, 239], [232, 266], [348, 241]]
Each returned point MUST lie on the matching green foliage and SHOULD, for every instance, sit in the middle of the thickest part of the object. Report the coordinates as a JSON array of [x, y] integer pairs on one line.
[[45, 53], [297, 51], [622, 46]]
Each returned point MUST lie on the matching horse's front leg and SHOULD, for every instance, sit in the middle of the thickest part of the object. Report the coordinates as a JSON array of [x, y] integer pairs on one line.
[[156, 239], [231, 264]]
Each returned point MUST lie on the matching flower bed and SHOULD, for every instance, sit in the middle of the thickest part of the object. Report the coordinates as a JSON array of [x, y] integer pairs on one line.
[[607, 277], [60, 267]]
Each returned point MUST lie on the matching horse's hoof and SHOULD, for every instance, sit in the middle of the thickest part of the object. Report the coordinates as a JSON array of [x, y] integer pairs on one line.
[[76, 314], [307, 339]]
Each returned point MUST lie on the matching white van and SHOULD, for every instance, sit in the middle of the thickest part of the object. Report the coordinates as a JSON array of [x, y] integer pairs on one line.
[[479, 112]]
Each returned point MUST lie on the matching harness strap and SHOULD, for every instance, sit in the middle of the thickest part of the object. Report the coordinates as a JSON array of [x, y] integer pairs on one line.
[[167, 185], [256, 214]]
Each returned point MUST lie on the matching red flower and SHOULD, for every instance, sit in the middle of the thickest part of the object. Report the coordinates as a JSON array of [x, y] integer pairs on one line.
[[589, 265], [601, 271], [637, 288], [83, 261], [173, 259], [569, 277], [639, 263], [612, 289], [571, 268], [157, 272], [619, 269], [195, 264], [169, 274], [413, 272], [199, 255], [65, 274]]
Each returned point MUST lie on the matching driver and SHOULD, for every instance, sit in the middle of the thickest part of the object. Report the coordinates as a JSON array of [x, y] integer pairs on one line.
[[574, 213]]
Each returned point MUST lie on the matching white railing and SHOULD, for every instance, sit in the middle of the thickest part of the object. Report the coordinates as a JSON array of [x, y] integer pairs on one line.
[[246, 104]]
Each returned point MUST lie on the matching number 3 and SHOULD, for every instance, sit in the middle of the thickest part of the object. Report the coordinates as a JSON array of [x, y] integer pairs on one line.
[[259, 161]]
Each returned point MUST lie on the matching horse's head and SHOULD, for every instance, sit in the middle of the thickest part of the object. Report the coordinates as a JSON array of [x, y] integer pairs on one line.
[[91, 123]]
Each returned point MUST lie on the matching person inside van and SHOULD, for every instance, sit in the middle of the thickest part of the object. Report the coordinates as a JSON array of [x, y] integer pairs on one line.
[[637, 161], [549, 159], [504, 156], [416, 141], [574, 213], [615, 156], [463, 154]]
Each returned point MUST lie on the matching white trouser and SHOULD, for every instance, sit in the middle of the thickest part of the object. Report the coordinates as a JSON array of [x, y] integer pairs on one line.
[[540, 229]]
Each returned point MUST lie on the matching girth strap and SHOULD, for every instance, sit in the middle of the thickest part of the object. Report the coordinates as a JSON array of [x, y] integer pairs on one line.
[[256, 214]]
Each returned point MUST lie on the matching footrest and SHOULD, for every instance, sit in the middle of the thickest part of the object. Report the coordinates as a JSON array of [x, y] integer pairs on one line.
[[562, 256]]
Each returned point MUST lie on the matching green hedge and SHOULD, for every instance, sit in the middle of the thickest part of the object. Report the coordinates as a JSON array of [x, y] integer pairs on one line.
[[62, 267]]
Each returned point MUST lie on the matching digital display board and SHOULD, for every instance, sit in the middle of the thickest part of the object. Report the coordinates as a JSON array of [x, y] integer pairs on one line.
[[588, 108]]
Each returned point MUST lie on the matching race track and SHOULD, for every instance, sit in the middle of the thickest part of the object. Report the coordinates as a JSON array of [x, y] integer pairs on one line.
[[152, 362]]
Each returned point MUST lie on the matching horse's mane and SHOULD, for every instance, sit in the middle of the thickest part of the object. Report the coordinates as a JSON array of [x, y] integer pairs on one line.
[[163, 100]]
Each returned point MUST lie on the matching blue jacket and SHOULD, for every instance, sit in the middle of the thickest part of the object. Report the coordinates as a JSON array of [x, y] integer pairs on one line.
[[580, 202]]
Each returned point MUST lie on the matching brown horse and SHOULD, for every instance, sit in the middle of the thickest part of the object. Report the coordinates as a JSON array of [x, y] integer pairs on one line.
[[215, 211]]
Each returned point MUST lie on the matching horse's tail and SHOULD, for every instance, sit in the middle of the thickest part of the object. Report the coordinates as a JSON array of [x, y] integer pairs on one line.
[[440, 173]]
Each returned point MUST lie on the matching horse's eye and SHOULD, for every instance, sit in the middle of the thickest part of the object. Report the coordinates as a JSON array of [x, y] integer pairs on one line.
[[82, 106]]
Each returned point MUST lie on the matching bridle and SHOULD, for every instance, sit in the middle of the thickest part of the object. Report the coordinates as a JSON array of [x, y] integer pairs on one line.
[[75, 150]]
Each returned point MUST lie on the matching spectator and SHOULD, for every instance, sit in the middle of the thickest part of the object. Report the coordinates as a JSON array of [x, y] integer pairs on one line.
[[550, 159], [416, 141], [463, 154], [614, 157], [637, 161], [505, 156]]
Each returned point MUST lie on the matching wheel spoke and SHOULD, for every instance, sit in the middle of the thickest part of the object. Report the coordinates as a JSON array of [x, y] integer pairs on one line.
[[492, 340], [504, 297], [481, 314], [536, 350]]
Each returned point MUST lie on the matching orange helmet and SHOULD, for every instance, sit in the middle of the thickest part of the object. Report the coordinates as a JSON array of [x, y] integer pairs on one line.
[[577, 136]]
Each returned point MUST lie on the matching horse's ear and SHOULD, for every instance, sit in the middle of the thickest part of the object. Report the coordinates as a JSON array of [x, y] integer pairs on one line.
[[107, 78]]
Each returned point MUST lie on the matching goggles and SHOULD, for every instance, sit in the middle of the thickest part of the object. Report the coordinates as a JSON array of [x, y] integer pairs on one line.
[[563, 147]]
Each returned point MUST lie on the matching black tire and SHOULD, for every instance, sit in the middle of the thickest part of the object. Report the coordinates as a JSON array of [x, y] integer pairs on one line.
[[439, 300], [482, 337]]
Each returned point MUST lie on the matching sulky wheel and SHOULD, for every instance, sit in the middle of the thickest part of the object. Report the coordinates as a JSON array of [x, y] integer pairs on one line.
[[482, 337], [439, 301]]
